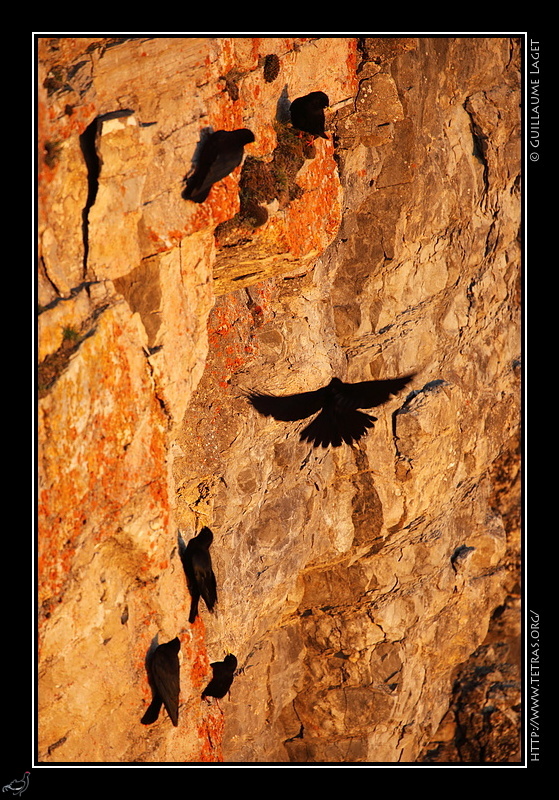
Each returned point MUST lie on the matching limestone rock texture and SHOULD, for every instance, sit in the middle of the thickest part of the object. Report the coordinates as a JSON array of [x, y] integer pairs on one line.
[[353, 582]]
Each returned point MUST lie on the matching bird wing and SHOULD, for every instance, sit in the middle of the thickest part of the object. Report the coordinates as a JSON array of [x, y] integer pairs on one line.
[[369, 394], [166, 676], [219, 156], [204, 576], [290, 407], [222, 164]]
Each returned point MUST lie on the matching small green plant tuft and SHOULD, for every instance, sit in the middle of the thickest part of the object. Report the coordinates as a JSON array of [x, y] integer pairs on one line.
[[70, 335]]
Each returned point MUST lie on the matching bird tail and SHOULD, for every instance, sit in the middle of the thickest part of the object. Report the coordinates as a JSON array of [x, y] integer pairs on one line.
[[331, 429], [193, 610], [153, 711], [173, 712], [209, 592], [193, 193], [210, 603]]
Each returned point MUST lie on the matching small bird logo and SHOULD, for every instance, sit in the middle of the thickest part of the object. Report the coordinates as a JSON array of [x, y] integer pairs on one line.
[[17, 787]]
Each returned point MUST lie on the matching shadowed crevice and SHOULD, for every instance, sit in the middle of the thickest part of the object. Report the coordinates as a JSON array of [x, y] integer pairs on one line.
[[93, 164]]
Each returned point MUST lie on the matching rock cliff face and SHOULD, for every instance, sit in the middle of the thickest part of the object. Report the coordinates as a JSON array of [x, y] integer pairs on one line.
[[352, 582]]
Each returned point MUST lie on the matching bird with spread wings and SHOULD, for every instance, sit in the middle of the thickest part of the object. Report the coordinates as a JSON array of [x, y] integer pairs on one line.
[[339, 419]]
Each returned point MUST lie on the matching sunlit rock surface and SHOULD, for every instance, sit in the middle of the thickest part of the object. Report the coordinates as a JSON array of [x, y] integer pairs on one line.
[[352, 582]]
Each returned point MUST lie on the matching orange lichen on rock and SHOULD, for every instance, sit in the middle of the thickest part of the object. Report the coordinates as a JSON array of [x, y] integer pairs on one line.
[[231, 333], [96, 449], [115, 229], [314, 218]]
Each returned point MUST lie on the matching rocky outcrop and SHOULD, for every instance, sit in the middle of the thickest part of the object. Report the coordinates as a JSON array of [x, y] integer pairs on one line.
[[352, 582]]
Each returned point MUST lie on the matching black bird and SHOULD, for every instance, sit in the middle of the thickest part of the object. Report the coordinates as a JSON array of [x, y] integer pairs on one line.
[[164, 675], [223, 672], [307, 113], [197, 564], [338, 421], [221, 152]]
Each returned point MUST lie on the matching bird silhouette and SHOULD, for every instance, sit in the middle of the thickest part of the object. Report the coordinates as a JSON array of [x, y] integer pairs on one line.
[[307, 113], [220, 153], [200, 577], [339, 420], [223, 673], [17, 787], [164, 675]]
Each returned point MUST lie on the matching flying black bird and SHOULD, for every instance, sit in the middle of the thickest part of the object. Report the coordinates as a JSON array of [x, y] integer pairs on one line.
[[223, 672], [164, 674], [338, 421], [197, 564], [307, 113], [221, 152]]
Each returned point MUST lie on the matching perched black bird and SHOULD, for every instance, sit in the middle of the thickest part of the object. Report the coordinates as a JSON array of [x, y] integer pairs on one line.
[[307, 113], [197, 564], [221, 152], [164, 675], [223, 672], [338, 421]]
